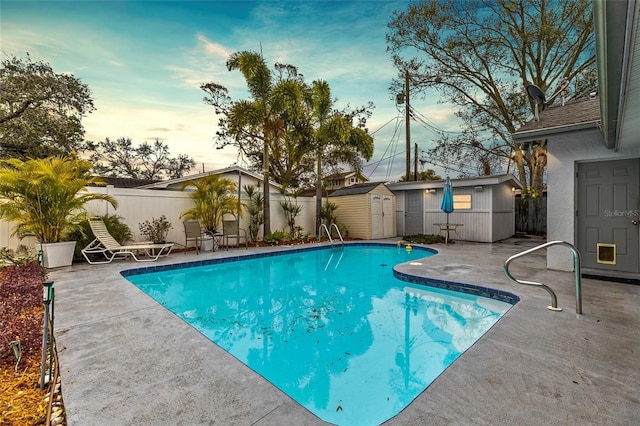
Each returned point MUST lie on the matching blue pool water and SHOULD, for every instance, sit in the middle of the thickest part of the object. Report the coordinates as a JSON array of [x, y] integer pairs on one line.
[[332, 328]]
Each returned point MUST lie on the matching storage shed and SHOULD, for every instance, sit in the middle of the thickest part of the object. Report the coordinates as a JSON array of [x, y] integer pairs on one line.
[[484, 207], [367, 210]]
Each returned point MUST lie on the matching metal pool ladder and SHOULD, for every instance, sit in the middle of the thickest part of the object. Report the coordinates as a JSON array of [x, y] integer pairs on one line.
[[554, 299], [326, 230]]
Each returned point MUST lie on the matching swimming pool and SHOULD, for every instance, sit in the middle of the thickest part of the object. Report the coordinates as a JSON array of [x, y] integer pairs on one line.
[[332, 328]]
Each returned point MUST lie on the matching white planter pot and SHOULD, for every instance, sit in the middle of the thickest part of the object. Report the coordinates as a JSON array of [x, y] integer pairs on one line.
[[57, 254], [206, 243]]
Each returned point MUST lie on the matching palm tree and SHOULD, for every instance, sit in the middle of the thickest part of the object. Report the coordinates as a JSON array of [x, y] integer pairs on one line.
[[336, 137], [214, 196], [256, 114], [44, 196]]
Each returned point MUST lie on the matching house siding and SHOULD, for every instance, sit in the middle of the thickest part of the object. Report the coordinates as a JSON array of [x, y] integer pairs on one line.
[[491, 217], [564, 153], [355, 212]]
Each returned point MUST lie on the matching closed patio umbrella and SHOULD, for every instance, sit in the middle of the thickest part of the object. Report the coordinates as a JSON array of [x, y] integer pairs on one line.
[[447, 202]]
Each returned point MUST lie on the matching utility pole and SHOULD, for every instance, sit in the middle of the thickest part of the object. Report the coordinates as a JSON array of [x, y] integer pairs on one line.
[[407, 124], [415, 163]]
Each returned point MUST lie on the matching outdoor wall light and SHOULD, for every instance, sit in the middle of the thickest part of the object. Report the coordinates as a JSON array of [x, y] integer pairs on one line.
[[430, 191], [513, 189], [479, 188]]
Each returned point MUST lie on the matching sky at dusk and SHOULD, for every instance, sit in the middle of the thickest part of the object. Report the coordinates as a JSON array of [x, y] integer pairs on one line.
[[145, 60]]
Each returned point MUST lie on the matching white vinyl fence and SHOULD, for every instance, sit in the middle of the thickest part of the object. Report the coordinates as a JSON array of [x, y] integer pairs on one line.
[[137, 205]]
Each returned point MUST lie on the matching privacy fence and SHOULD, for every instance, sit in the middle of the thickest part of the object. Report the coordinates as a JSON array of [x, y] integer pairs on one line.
[[137, 205], [531, 215]]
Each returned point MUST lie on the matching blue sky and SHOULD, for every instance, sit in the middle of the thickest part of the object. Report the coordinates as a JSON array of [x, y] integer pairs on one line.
[[144, 62]]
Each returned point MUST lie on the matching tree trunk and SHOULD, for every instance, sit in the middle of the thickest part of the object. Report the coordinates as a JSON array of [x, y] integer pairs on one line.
[[265, 188], [522, 173], [318, 192], [539, 163]]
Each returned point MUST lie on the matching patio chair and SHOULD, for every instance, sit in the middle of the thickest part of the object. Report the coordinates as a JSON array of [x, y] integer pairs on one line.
[[104, 244], [192, 232], [230, 229]]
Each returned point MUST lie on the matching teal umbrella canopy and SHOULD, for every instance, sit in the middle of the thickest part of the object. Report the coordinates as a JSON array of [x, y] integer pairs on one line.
[[447, 198]]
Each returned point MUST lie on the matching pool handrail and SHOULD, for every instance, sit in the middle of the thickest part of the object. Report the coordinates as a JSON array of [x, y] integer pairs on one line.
[[326, 229], [554, 299]]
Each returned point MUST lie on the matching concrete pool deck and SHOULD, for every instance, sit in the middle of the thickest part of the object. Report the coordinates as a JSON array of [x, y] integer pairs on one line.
[[126, 360]]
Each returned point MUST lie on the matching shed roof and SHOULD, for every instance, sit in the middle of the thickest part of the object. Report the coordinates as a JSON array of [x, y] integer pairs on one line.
[[457, 182], [361, 188]]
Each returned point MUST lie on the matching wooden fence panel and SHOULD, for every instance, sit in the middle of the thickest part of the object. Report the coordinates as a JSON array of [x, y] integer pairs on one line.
[[531, 215]]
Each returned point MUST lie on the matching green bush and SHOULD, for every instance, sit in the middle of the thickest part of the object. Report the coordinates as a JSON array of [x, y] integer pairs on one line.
[[156, 230], [424, 239], [276, 237], [20, 256], [117, 228]]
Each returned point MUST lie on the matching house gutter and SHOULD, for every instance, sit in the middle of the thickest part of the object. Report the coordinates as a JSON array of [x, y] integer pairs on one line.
[[536, 135]]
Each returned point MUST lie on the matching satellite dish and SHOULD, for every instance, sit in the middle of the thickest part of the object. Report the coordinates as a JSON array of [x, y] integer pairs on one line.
[[537, 95]]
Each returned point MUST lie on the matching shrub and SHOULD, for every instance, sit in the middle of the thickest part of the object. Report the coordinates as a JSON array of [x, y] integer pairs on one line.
[[156, 230], [424, 239], [44, 197], [21, 256], [276, 237], [328, 213]]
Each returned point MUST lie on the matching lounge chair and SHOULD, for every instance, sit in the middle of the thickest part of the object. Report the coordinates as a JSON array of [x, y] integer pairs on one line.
[[104, 244], [230, 229]]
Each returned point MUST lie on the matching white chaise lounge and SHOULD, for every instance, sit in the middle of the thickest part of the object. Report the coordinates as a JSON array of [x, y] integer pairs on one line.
[[104, 244]]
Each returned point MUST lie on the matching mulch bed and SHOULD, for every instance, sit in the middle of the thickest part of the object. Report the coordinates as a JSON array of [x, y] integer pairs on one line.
[[21, 315]]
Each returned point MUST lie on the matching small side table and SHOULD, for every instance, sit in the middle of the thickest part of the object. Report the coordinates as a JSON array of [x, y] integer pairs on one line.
[[217, 240], [447, 227]]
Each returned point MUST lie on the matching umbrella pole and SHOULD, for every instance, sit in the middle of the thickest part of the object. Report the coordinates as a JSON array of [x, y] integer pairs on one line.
[[446, 240]]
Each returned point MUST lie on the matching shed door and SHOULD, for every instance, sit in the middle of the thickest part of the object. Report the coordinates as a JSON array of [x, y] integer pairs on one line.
[[413, 216], [377, 230], [387, 217], [607, 220]]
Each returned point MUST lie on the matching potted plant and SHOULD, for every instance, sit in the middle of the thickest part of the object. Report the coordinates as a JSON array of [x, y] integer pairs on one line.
[[156, 230], [45, 198], [213, 197]]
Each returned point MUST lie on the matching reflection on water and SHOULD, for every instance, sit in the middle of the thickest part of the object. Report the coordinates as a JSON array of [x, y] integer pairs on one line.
[[331, 328]]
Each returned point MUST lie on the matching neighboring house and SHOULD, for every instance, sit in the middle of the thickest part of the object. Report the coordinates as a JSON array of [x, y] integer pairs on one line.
[[125, 182], [237, 174], [593, 163], [484, 207], [242, 178], [341, 180], [334, 182], [367, 210]]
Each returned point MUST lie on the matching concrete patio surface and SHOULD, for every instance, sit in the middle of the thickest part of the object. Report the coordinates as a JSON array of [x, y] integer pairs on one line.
[[126, 360]]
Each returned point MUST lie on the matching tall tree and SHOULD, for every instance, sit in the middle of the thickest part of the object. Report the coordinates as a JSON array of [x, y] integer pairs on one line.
[[287, 127], [479, 55], [121, 158], [249, 119], [429, 174], [335, 136], [40, 110], [270, 128]]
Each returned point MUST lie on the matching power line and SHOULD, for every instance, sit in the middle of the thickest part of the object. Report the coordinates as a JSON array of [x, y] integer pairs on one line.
[[383, 126], [422, 119], [389, 145]]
